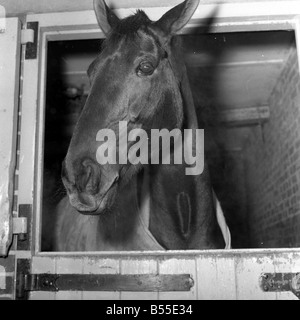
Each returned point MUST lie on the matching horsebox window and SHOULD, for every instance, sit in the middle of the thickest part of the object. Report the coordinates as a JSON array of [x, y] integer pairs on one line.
[[246, 92]]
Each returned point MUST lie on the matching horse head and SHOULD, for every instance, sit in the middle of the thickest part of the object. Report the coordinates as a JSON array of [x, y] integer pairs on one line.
[[136, 78]]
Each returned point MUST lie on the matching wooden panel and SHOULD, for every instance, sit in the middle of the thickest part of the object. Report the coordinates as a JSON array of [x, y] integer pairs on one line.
[[137, 266], [69, 266], [2, 278], [249, 8], [216, 277], [9, 86], [101, 266], [28, 128], [248, 271], [178, 266], [245, 116], [37, 296], [68, 295], [222, 275], [101, 295], [43, 265]]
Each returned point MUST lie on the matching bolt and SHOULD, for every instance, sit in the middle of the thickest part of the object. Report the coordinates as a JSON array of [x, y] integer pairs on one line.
[[46, 283], [266, 288]]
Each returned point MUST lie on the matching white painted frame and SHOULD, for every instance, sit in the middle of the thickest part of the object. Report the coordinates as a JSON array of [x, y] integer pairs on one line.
[[218, 274], [82, 25]]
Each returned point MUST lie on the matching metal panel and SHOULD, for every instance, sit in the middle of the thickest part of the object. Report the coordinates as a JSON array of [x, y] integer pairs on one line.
[[91, 282], [287, 263], [9, 88], [278, 282]]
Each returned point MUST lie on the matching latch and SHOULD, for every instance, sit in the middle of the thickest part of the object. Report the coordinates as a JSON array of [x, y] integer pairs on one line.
[[277, 282], [29, 37]]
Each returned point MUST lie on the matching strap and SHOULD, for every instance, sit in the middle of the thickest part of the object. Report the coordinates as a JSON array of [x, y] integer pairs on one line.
[[222, 223]]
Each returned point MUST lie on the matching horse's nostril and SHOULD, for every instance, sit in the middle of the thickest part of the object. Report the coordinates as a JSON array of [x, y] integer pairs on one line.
[[89, 177], [84, 178]]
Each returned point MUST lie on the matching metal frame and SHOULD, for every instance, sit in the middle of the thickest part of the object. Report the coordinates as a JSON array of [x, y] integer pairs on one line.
[[229, 18]]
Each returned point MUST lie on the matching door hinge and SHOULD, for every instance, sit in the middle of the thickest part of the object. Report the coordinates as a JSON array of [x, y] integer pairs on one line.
[[277, 282], [27, 282], [29, 37], [20, 227]]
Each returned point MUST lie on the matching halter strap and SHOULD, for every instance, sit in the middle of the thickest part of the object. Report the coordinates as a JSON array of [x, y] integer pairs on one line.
[[222, 222]]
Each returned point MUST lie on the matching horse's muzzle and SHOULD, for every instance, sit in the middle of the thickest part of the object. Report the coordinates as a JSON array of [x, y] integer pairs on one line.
[[87, 193], [84, 203], [83, 185]]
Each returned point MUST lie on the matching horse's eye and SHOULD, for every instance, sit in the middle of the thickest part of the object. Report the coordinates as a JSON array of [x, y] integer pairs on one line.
[[145, 69]]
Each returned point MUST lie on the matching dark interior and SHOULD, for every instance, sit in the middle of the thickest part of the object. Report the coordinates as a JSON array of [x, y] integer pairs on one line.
[[244, 87]]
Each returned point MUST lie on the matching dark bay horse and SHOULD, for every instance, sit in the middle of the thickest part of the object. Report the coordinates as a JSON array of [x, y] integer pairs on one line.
[[139, 78]]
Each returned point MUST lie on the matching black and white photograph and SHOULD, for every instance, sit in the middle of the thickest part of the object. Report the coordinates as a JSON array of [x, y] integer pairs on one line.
[[149, 151]]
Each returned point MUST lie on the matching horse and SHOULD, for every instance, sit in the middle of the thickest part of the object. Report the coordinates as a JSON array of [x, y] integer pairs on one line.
[[138, 78]]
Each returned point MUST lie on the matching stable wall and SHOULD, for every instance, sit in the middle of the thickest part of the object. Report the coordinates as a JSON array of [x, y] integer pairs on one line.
[[272, 166]]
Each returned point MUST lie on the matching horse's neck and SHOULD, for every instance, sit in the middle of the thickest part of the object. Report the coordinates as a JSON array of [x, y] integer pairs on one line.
[[182, 208], [121, 220], [126, 227], [188, 102]]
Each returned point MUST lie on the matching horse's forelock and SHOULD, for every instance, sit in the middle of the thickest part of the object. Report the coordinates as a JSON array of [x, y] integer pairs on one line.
[[132, 24]]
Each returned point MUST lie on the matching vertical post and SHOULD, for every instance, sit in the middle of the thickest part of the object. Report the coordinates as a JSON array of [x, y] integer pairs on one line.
[[297, 36], [9, 93]]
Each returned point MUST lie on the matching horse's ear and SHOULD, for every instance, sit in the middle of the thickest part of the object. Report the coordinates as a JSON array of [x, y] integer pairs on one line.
[[175, 19], [105, 16]]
